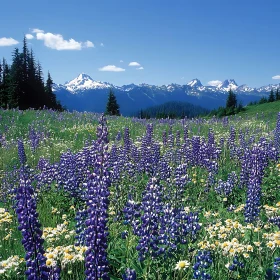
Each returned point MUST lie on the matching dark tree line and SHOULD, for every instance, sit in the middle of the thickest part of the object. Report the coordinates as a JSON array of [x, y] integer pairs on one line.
[[172, 110], [22, 83], [271, 98]]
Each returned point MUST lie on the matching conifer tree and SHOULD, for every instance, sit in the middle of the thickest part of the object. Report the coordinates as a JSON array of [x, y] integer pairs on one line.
[[1, 87], [5, 84], [49, 93], [40, 87], [1, 70], [31, 81], [27, 92], [231, 100], [271, 97], [112, 107], [16, 96], [277, 94]]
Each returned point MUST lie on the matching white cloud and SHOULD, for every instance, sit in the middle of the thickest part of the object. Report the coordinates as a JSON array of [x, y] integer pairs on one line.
[[88, 44], [4, 42], [29, 36], [101, 45], [36, 30], [140, 68], [182, 78], [277, 77], [121, 60], [57, 42], [214, 83], [111, 68], [134, 63]]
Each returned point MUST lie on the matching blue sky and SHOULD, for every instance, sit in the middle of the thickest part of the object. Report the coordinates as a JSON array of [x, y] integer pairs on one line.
[[167, 41]]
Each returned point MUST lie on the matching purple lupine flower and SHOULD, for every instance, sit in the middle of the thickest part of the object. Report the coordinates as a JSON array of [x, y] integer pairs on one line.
[[34, 138], [129, 274], [203, 261], [164, 138], [276, 268], [236, 264], [119, 136], [81, 217], [178, 138], [258, 163], [181, 179], [275, 220], [231, 142], [277, 134], [186, 133], [30, 228], [163, 170], [176, 227], [148, 229], [226, 187], [126, 142], [131, 211], [245, 168], [196, 151], [21, 152], [96, 262]]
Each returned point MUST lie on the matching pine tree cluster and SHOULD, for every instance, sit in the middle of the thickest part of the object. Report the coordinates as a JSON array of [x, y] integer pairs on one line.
[[232, 106], [271, 98], [22, 83]]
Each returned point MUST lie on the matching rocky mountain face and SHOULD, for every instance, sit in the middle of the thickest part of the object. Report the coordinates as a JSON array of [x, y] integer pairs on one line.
[[85, 94]]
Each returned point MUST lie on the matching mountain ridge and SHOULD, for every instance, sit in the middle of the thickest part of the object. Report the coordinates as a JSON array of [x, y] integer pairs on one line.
[[85, 94], [84, 82]]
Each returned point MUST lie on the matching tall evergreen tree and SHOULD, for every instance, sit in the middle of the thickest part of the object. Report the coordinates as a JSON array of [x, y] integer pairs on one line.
[[31, 81], [1, 71], [16, 96], [231, 100], [1, 87], [49, 93], [271, 97], [27, 92], [277, 94], [6, 81], [40, 87], [112, 107]]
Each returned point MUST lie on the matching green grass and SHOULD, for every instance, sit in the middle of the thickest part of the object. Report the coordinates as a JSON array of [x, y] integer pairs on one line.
[[70, 131], [266, 108]]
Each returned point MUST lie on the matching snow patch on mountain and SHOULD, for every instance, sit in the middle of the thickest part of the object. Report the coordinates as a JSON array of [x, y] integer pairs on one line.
[[85, 82], [194, 83], [226, 85]]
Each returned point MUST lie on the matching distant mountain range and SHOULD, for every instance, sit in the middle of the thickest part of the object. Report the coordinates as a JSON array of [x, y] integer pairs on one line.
[[85, 94]]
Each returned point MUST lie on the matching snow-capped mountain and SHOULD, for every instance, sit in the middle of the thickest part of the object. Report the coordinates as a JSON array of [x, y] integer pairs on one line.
[[194, 83], [227, 85], [85, 94], [85, 82], [268, 88]]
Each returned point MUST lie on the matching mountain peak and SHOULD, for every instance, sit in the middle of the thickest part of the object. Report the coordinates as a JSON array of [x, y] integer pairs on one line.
[[84, 76], [228, 84], [194, 83], [84, 82]]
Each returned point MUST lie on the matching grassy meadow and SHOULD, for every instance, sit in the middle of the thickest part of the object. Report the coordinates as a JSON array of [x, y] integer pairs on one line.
[[128, 198]]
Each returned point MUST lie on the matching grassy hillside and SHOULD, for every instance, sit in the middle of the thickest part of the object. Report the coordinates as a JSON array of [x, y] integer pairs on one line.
[[273, 107]]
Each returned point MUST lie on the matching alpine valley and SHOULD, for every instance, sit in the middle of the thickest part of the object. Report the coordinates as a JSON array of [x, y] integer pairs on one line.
[[85, 94]]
